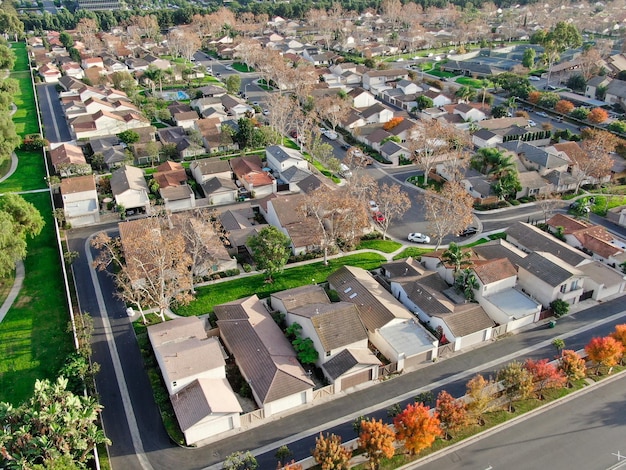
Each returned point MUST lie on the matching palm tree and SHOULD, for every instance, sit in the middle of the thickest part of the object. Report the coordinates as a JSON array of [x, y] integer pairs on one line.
[[466, 282], [465, 93], [154, 74], [501, 165], [457, 256]]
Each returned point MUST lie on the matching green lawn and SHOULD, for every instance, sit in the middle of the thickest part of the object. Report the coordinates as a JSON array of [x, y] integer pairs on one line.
[[386, 246], [239, 67], [30, 173], [25, 118], [473, 82], [21, 57], [414, 251], [439, 73], [212, 295], [33, 337]]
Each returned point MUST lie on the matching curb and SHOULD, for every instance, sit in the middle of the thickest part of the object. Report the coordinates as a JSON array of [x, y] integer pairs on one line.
[[511, 422]]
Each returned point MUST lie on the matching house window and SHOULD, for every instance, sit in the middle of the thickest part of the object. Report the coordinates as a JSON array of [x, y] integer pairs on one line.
[[327, 353], [174, 383], [564, 288], [575, 284]]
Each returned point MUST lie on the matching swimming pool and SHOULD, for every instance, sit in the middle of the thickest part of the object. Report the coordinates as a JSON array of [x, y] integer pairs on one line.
[[174, 95]]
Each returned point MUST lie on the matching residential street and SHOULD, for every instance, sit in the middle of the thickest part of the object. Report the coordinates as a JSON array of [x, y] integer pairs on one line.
[[585, 432], [55, 127], [140, 442]]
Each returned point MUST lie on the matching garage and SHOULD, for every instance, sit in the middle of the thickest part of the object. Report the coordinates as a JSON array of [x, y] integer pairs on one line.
[[286, 403], [356, 379], [418, 359]]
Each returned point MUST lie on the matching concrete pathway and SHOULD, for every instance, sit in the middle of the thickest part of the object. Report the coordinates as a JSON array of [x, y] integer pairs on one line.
[[15, 290]]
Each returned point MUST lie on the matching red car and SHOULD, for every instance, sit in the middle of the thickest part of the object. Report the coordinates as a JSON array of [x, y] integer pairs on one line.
[[378, 217]]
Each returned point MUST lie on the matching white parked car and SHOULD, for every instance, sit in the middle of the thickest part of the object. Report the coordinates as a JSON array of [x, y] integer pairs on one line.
[[534, 78], [332, 135], [531, 123], [373, 206], [418, 238], [542, 114]]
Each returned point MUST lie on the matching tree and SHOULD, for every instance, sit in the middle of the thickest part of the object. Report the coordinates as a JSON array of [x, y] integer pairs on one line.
[[605, 351], [152, 266], [534, 97], [248, 135], [479, 392], [457, 256], [564, 36], [620, 334], [448, 211], [53, 424], [9, 139], [240, 461], [594, 160], [233, 83], [549, 100], [334, 109], [339, 218], [392, 202], [580, 113], [424, 102], [376, 440], [545, 375], [517, 382], [597, 116], [271, 249], [7, 58], [329, 454], [559, 307], [19, 219], [154, 74], [466, 93], [572, 365], [417, 428], [559, 345], [564, 107], [128, 137], [11, 24], [528, 59], [577, 82], [499, 111], [452, 412]]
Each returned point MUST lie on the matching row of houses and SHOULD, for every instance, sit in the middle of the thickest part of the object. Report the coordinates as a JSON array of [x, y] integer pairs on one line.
[[399, 319]]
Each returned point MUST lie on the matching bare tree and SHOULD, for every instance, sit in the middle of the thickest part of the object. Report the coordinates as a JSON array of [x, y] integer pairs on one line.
[[392, 202], [152, 265], [548, 203], [340, 217], [447, 212], [281, 110], [593, 161], [334, 109]]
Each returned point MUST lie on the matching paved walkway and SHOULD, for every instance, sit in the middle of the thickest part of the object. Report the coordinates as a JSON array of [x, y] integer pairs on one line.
[[15, 290]]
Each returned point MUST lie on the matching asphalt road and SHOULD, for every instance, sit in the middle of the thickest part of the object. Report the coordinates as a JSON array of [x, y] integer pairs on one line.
[[586, 432], [55, 127], [132, 420]]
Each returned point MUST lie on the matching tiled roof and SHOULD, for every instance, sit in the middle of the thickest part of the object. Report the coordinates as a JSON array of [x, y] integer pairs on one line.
[[403, 268], [548, 268], [263, 354], [67, 154], [494, 270], [78, 184], [499, 249], [203, 398], [300, 296], [128, 177], [377, 307], [466, 320], [531, 238], [209, 166], [341, 363], [337, 324]]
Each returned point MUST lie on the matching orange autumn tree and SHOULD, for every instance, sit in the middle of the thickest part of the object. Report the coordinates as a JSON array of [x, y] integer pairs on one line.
[[620, 334], [572, 365], [376, 440], [545, 375], [417, 428], [597, 116], [564, 107], [393, 122], [533, 97], [605, 352], [452, 412], [329, 454]]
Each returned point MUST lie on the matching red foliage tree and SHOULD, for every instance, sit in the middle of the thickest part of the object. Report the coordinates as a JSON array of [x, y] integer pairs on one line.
[[545, 375], [452, 412], [597, 115], [620, 334], [417, 428], [393, 122], [564, 107], [605, 352], [376, 440], [534, 96], [572, 365]]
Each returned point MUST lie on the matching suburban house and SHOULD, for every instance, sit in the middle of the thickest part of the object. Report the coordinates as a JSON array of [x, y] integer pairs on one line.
[[617, 215], [337, 333], [50, 73], [391, 328], [68, 160], [130, 189], [592, 239], [80, 200], [374, 79], [240, 225], [429, 297], [252, 176], [103, 123], [547, 278], [173, 188], [394, 152], [283, 213], [216, 179], [112, 149], [361, 98], [193, 369], [264, 356], [177, 136], [279, 158]]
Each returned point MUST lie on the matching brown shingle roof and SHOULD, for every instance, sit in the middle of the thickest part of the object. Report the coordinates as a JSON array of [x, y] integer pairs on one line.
[[494, 270], [78, 184], [466, 320], [67, 154], [300, 296]]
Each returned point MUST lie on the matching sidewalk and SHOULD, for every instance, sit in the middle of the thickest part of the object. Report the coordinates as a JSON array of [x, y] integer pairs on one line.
[[15, 290]]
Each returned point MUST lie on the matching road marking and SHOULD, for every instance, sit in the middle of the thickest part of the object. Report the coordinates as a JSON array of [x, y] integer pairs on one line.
[[52, 115], [117, 365]]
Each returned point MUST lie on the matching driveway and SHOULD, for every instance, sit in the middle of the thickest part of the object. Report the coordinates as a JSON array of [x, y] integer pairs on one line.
[[55, 127]]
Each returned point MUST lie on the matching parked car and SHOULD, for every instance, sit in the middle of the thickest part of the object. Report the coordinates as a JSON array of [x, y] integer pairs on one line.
[[468, 232], [374, 207], [418, 238], [344, 171], [534, 78], [542, 114], [378, 217], [345, 146], [531, 123], [266, 112], [332, 135]]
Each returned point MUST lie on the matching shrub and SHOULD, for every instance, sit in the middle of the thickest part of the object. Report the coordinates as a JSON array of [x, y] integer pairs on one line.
[[559, 307]]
